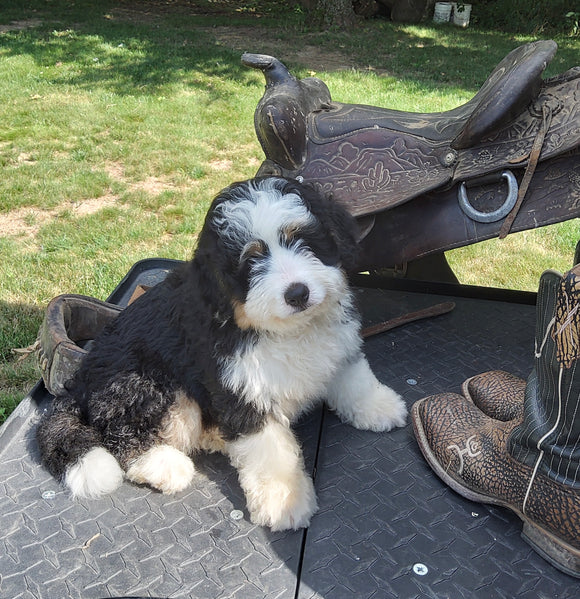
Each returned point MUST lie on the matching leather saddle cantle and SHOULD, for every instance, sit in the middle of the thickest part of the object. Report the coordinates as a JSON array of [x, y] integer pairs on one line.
[[421, 184]]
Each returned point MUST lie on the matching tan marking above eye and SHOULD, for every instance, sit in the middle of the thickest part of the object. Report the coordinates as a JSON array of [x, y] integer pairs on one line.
[[253, 249], [289, 232]]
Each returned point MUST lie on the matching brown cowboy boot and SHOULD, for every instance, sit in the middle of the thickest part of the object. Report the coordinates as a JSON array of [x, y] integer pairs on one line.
[[530, 466], [497, 393]]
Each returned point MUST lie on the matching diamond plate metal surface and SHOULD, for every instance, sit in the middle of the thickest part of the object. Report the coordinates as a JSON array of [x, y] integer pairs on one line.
[[383, 511], [136, 542], [386, 527]]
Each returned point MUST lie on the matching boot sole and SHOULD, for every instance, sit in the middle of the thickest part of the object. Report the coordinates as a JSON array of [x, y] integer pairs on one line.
[[560, 554]]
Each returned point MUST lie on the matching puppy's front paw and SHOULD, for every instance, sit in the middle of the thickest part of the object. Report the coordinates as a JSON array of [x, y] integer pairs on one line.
[[283, 504], [381, 410]]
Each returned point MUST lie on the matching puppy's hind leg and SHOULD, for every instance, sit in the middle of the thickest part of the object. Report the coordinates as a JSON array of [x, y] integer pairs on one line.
[[363, 401], [166, 465], [278, 491], [163, 467], [73, 452]]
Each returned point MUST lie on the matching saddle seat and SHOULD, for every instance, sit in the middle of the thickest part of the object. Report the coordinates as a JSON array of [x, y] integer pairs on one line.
[[373, 158], [513, 84], [281, 118]]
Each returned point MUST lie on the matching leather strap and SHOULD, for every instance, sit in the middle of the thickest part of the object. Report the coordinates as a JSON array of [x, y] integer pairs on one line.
[[387, 325], [530, 170]]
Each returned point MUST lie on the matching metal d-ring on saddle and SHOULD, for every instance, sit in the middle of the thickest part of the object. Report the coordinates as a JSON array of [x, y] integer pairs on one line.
[[406, 176], [494, 215]]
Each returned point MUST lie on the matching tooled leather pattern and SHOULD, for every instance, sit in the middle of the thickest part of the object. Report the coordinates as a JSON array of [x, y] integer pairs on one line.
[[472, 449]]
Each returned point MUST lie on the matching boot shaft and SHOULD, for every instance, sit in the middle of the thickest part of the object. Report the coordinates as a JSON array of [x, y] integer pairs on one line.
[[548, 439]]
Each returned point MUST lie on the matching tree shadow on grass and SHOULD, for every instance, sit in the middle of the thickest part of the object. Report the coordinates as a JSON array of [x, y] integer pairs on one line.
[[140, 48], [124, 60]]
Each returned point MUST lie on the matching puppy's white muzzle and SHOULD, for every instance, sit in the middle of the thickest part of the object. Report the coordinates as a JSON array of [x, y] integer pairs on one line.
[[292, 284]]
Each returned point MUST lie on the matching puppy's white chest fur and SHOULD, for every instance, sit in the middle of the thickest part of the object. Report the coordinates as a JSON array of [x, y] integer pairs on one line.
[[286, 373]]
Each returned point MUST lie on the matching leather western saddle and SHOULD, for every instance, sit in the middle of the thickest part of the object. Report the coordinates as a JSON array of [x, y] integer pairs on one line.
[[420, 184]]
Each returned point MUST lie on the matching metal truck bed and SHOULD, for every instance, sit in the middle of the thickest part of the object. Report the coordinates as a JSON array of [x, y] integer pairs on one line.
[[386, 527]]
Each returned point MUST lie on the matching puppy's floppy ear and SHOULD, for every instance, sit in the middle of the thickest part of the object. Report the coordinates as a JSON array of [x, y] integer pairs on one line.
[[218, 266], [335, 218]]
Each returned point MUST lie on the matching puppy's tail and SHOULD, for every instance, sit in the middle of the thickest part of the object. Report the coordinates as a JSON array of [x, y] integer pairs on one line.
[[73, 452]]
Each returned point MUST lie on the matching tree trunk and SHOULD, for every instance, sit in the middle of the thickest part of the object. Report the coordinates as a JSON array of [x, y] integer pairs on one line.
[[331, 14]]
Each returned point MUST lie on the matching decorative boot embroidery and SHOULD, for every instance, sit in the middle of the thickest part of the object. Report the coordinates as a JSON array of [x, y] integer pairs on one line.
[[538, 352], [471, 449], [567, 330], [539, 444]]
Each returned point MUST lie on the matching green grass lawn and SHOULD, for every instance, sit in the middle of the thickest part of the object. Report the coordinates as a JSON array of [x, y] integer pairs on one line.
[[121, 120]]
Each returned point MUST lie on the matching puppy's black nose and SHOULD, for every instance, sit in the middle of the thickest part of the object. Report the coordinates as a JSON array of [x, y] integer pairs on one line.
[[297, 295]]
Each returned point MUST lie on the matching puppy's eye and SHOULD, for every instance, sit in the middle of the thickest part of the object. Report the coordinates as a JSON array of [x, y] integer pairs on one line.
[[322, 245], [253, 250]]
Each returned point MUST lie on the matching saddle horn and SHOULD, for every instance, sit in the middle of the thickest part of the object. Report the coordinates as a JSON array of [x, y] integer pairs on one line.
[[281, 114], [275, 72]]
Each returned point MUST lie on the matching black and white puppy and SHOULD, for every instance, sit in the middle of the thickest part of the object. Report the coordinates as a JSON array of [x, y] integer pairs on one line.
[[223, 355]]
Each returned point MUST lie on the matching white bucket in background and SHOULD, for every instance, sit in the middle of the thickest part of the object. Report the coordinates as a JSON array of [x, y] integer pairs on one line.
[[442, 12], [461, 17]]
